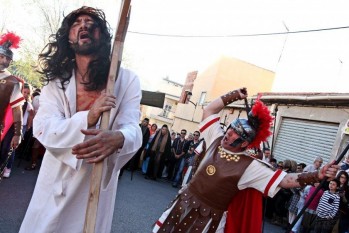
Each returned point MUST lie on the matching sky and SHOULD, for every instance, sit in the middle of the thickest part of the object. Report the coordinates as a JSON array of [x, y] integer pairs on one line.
[[170, 38]]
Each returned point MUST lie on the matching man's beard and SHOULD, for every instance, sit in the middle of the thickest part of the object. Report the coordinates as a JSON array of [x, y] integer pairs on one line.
[[3, 66], [85, 49]]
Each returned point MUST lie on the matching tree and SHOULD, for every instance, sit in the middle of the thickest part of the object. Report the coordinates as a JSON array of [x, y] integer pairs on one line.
[[25, 68]]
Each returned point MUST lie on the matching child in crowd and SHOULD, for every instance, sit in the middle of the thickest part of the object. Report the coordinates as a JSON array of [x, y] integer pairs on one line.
[[310, 212], [327, 209], [37, 148], [27, 108], [303, 195]]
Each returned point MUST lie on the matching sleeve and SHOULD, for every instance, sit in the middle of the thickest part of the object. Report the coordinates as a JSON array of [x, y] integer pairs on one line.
[[210, 129], [127, 117], [199, 149], [36, 103], [55, 129], [262, 178], [16, 97]]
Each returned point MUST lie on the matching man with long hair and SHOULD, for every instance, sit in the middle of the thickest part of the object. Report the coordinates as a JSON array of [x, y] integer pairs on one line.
[[75, 66]]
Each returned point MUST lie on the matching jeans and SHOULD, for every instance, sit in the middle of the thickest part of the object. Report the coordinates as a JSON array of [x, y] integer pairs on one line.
[[145, 165], [178, 176]]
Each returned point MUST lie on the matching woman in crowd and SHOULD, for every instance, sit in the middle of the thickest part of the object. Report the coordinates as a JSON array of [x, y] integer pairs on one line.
[[152, 130], [343, 224]]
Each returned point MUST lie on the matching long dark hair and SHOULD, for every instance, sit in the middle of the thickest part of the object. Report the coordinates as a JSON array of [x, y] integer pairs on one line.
[[345, 186], [57, 60]]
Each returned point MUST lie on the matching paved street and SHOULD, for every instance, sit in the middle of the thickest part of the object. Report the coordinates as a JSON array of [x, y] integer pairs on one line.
[[138, 204]]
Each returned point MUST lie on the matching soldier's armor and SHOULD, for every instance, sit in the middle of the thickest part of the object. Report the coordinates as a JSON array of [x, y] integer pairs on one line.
[[198, 204], [6, 88]]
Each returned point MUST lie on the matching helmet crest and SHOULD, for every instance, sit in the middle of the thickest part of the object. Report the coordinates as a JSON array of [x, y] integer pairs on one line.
[[261, 120], [256, 128], [8, 41]]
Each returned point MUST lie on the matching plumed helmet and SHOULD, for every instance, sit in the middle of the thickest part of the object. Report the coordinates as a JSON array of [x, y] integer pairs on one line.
[[243, 128], [256, 128], [7, 42]]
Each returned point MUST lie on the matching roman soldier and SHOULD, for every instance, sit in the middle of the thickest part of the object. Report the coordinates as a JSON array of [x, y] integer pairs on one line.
[[229, 181], [11, 99]]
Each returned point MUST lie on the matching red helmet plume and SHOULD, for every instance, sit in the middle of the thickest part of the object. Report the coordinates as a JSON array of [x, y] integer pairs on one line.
[[7, 42], [260, 119]]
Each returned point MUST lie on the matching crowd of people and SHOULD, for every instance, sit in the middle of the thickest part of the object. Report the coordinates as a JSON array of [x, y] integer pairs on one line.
[[221, 174], [166, 155], [328, 212]]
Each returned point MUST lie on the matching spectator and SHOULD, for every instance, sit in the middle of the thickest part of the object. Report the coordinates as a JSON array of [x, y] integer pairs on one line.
[[158, 148], [145, 138], [133, 163], [178, 149], [327, 209], [343, 222], [345, 163], [310, 212], [37, 147], [189, 158], [152, 131], [28, 116], [293, 206], [267, 155], [300, 167], [273, 163], [27, 109], [303, 195], [170, 161], [315, 166], [190, 137], [281, 199]]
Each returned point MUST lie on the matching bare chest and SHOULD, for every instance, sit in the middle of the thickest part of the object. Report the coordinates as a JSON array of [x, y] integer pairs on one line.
[[85, 99]]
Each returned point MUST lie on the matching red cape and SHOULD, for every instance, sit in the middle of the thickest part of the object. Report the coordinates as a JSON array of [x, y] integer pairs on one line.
[[245, 212]]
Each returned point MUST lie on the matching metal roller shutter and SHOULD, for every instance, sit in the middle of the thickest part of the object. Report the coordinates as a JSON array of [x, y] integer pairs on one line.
[[303, 140]]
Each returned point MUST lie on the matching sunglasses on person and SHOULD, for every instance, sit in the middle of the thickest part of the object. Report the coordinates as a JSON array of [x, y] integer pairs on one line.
[[196, 134]]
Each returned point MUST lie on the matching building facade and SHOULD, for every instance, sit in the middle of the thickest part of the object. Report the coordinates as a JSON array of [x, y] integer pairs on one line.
[[308, 125], [224, 75], [164, 115]]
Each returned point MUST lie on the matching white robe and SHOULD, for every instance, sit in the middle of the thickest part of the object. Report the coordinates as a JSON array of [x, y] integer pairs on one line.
[[59, 200]]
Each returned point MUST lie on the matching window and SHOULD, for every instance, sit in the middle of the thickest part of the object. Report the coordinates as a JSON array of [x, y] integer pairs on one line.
[[202, 98], [166, 111]]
